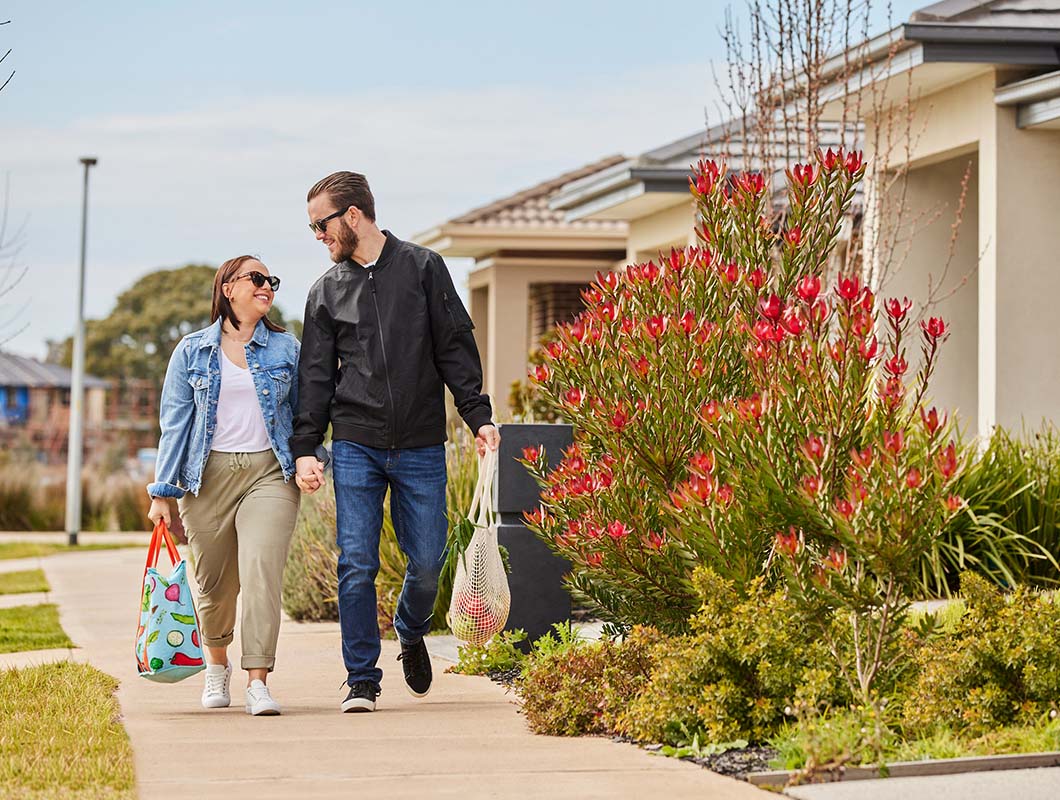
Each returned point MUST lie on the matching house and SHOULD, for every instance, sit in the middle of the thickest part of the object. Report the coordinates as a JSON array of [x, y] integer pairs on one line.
[[530, 267], [35, 405]]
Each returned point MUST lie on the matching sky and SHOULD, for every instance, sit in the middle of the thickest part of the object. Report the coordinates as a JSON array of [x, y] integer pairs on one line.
[[211, 120]]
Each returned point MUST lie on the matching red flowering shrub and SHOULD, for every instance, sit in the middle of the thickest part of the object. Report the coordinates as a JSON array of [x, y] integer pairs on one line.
[[729, 408]]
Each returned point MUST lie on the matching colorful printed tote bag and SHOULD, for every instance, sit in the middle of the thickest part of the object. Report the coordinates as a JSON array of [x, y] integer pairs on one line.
[[168, 646]]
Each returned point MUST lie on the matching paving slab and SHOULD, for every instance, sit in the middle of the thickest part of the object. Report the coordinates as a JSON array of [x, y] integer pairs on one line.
[[466, 739], [34, 658], [1022, 784]]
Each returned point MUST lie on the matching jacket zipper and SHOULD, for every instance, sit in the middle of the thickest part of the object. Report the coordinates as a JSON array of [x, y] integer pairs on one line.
[[382, 346]]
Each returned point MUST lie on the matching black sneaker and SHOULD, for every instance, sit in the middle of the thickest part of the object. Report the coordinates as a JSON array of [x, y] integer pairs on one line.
[[361, 697], [417, 665]]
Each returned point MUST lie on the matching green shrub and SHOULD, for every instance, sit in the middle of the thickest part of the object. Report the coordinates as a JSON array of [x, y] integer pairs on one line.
[[499, 654], [748, 659], [1000, 665], [1008, 530], [575, 688]]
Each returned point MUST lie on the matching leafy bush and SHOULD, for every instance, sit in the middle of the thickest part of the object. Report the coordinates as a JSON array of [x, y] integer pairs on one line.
[[499, 655], [572, 688], [1000, 665], [750, 657], [1008, 529]]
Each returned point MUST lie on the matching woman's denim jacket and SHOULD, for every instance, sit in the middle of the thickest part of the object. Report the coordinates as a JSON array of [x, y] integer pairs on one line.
[[188, 409]]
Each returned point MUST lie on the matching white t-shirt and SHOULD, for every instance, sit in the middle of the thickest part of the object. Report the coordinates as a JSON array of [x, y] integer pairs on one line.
[[240, 423]]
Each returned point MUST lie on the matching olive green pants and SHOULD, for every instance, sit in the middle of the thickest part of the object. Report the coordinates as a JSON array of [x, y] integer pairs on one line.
[[239, 529]]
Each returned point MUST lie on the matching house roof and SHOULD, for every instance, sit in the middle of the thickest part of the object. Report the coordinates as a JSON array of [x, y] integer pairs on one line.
[[530, 207], [526, 222], [22, 371]]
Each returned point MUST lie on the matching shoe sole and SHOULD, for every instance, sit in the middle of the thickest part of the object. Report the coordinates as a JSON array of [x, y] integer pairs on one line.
[[223, 704], [358, 705], [414, 693], [265, 712]]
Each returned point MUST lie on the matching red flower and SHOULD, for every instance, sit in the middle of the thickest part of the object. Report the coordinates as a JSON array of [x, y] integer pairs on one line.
[[575, 464], [819, 311], [837, 559], [677, 499], [893, 441], [531, 453], [689, 323], [620, 418], [592, 531], [710, 411], [676, 260], [554, 350], [808, 288], [838, 350], [592, 296], [533, 518], [770, 306], [869, 348], [863, 458], [764, 331], [861, 322], [725, 494], [654, 326], [609, 281], [750, 408], [830, 159], [793, 236], [787, 543], [756, 278], [656, 540], [932, 420], [706, 175], [608, 311], [594, 559], [576, 330], [604, 479], [793, 321], [913, 479], [730, 272], [811, 484], [574, 397], [706, 330], [642, 367], [934, 328], [702, 463], [896, 366], [628, 324], [954, 503], [853, 161], [803, 173], [844, 508], [813, 447], [698, 368], [540, 373], [700, 486], [752, 182], [848, 288], [617, 531], [897, 309], [946, 461]]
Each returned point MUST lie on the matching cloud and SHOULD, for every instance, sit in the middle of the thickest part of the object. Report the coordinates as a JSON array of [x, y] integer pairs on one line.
[[206, 182]]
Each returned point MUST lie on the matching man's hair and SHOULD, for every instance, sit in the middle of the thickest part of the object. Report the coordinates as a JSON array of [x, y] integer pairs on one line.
[[346, 189]]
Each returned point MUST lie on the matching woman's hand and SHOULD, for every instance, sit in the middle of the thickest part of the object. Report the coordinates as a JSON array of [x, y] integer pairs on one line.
[[159, 510]]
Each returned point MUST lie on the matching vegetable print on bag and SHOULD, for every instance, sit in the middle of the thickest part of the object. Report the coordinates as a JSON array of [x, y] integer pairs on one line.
[[168, 644]]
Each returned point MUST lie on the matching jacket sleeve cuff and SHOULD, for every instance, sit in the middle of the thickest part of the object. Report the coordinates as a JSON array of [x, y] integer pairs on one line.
[[160, 489], [304, 445], [477, 418]]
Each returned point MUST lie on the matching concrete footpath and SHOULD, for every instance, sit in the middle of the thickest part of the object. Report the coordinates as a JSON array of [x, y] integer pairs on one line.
[[464, 740]]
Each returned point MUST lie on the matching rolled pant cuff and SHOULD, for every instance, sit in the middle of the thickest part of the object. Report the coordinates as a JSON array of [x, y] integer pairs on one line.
[[218, 641], [258, 662]]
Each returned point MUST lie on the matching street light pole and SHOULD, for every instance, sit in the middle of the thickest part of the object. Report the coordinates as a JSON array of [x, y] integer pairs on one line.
[[77, 385]]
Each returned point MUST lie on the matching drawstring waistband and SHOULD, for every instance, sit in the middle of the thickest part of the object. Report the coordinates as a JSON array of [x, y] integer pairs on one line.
[[238, 461]]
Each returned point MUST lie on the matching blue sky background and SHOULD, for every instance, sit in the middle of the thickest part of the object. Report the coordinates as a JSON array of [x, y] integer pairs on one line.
[[211, 120]]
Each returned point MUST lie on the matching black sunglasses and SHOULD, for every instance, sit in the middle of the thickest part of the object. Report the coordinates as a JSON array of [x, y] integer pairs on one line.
[[259, 280], [321, 225]]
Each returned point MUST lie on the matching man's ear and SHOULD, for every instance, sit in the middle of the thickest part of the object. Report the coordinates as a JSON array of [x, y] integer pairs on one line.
[[353, 216]]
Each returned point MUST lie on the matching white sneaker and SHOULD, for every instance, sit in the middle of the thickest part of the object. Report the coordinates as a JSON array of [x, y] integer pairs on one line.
[[215, 692], [259, 701]]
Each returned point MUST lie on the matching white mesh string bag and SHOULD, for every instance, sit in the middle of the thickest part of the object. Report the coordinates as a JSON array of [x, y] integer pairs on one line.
[[481, 598]]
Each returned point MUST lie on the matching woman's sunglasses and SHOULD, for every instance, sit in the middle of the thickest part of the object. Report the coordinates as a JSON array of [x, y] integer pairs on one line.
[[259, 280]]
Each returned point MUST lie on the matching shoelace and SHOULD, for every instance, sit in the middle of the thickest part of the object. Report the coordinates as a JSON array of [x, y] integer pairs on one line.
[[418, 659], [258, 693], [376, 686], [215, 684]]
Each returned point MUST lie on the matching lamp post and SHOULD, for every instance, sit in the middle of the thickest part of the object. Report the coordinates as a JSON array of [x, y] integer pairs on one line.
[[77, 385]]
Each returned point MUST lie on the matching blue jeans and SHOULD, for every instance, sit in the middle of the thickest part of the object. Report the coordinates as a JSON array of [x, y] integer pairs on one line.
[[417, 478]]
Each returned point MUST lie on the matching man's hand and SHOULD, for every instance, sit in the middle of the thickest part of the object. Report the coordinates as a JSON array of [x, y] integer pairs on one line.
[[309, 474], [488, 437]]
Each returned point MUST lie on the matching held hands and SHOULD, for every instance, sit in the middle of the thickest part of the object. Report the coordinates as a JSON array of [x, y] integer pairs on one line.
[[488, 437], [309, 474]]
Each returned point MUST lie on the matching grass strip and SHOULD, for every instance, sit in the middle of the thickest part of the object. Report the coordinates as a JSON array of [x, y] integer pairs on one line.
[[60, 736], [28, 580], [31, 628], [37, 549]]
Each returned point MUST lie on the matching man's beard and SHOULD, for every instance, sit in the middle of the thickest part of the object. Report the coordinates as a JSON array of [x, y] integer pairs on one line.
[[347, 239]]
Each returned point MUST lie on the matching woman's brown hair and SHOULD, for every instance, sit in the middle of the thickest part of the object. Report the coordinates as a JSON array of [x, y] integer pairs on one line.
[[221, 306]]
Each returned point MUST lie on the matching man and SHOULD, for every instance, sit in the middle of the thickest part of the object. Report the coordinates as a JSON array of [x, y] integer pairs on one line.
[[384, 329]]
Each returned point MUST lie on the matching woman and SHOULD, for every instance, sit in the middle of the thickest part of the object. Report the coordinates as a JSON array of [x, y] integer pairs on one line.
[[226, 413]]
